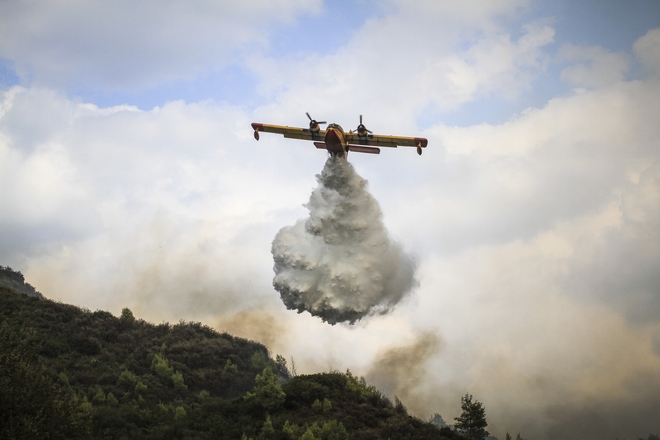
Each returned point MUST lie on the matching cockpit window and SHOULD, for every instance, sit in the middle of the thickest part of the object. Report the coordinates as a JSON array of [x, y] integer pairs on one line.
[[333, 125]]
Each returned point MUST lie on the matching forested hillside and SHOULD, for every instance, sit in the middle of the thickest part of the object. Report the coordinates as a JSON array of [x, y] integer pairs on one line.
[[72, 373]]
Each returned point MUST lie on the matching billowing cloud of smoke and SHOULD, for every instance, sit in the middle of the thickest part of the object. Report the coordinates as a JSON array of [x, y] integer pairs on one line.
[[401, 371], [339, 264], [257, 325]]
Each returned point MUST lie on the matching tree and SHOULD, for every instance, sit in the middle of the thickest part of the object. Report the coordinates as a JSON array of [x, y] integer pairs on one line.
[[334, 431], [161, 367], [177, 379], [179, 413], [127, 379], [111, 399], [267, 431], [140, 387], [127, 315], [438, 421], [308, 435], [99, 397], [290, 430], [472, 421], [282, 368], [267, 392]]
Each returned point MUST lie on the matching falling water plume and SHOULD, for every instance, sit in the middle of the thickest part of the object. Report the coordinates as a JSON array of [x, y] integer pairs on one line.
[[339, 264]]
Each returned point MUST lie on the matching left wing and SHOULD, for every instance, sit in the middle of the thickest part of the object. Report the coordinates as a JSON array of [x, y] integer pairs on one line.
[[289, 132]]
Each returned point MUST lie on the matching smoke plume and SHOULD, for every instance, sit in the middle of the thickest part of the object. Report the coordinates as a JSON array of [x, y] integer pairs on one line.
[[402, 372], [339, 264]]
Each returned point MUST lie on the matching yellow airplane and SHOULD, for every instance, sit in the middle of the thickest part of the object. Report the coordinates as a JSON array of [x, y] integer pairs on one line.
[[339, 143]]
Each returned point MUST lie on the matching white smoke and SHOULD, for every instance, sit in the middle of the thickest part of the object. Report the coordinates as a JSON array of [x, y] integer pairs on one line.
[[339, 264]]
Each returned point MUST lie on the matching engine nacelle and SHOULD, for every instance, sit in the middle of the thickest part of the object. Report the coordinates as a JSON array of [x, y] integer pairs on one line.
[[362, 130], [314, 124]]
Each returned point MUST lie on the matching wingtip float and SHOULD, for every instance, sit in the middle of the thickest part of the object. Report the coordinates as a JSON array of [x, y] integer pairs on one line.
[[338, 142]]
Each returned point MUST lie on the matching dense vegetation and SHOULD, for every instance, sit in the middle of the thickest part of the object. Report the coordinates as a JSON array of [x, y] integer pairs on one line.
[[67, 372]]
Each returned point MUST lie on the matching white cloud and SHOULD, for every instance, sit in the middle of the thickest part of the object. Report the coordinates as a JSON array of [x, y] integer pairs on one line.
[[596, 67], [124, 44], [140, 193], [398, 65], [618, 266], [494, 183], [646, 49], [456, 14]]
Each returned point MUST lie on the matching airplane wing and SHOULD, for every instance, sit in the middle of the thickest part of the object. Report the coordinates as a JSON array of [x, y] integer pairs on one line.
[[289, 132], [380, 140]]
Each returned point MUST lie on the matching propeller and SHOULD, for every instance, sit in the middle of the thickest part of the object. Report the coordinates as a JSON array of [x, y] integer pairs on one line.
[[313, 123], [362, 130]]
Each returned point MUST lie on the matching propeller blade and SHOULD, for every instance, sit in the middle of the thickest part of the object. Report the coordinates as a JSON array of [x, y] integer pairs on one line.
[[310, 118], [321, 122], [362, 127]]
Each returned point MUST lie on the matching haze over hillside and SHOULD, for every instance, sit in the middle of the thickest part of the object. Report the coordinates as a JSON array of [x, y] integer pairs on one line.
[[70, 373]]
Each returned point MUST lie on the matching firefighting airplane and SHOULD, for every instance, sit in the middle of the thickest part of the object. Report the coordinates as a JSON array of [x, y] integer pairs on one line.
[[339, 143]]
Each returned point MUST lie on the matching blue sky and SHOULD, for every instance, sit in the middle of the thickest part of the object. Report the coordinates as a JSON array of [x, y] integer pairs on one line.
[[129, 178], [612, 24]]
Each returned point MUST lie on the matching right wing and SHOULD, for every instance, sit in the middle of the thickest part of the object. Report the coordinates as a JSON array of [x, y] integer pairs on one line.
[[304, 134], [380, 140]]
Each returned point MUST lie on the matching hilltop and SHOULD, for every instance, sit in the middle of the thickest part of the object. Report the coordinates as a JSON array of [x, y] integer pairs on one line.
[[16, 281]]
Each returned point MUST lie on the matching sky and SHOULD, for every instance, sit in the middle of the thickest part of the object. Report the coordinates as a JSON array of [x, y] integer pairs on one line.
[[129, 177]]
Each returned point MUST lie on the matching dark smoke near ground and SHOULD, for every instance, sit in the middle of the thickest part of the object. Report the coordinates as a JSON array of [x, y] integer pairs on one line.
[[339, 264]]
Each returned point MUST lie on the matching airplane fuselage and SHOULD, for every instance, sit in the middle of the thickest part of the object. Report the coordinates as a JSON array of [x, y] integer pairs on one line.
[[335, 141]]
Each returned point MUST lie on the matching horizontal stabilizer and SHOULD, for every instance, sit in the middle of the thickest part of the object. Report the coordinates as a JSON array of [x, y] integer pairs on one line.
[[320, 145], [363, 149]]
